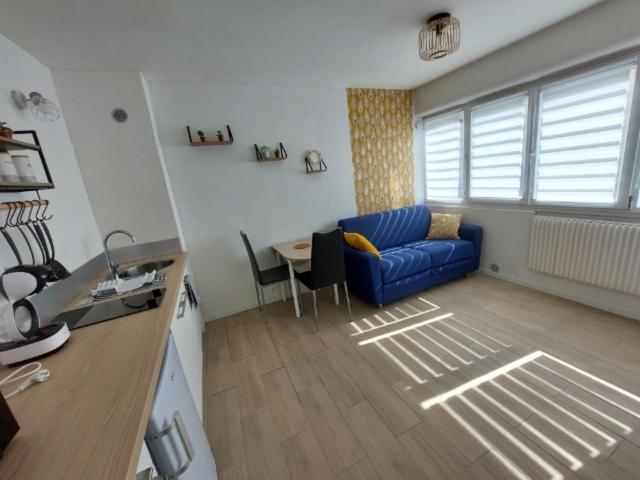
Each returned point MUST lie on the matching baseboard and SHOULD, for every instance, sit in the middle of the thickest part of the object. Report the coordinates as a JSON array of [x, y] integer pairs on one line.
[[635, 315], [231, 311]]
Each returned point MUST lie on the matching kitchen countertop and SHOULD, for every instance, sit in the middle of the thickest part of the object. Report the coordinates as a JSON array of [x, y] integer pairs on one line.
[[88, 420]]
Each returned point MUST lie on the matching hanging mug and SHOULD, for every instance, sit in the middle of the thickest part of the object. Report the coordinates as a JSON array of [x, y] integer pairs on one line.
[[24, 168], [8, 171]]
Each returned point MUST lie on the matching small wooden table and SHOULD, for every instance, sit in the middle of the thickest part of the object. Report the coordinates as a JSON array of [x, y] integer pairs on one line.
[[288, 251]]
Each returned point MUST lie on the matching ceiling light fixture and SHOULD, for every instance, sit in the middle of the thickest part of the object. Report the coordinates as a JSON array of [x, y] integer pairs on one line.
[[41, 107], [439, 37]]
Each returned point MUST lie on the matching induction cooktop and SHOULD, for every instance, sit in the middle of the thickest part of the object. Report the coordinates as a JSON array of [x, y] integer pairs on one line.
[[112, 309]]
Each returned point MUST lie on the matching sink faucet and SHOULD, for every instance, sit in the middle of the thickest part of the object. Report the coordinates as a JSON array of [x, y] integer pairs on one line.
[[113, 268]]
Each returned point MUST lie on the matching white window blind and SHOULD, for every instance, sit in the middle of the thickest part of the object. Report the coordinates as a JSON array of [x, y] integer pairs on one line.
[[444, 151], [581, 131], [497, 147]]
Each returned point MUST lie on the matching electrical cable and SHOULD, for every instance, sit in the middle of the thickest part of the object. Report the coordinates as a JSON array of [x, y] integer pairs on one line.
[[36, 375]]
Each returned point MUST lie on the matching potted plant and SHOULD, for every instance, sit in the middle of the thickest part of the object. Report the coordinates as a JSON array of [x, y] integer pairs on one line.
[[5, 131]]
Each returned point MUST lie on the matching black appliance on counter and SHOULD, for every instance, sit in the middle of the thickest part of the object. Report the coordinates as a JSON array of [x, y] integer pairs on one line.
[[8, 425], [113, 308]]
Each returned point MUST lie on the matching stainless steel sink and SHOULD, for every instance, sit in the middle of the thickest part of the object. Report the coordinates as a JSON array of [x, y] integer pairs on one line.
[[142, 268]]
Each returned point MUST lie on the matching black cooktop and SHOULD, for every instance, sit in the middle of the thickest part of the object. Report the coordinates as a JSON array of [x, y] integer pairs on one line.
[[114, 308]]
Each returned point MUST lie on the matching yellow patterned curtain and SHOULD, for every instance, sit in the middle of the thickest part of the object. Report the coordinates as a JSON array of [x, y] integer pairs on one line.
[[381, 124]]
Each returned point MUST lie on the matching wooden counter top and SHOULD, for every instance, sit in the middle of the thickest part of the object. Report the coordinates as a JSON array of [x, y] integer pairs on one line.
[[88, 420]]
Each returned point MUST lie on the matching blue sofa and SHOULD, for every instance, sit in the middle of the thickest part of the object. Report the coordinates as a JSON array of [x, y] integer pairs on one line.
[[410, 263]]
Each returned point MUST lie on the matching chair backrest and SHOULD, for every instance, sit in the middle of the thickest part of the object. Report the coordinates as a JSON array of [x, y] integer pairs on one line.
[[392, 227], [327, 258], [252, 257]]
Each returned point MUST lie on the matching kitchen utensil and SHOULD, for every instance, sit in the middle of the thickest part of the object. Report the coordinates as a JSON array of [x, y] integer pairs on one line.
[[58, 270]]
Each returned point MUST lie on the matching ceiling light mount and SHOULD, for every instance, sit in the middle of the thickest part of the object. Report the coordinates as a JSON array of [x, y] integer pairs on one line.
[[439, 37], [41, 107]]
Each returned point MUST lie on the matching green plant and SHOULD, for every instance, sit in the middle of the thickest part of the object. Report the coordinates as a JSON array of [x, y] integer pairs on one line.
[[5, 131]]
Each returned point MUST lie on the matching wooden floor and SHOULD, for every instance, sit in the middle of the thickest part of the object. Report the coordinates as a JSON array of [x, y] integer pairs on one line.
[[476, 379]]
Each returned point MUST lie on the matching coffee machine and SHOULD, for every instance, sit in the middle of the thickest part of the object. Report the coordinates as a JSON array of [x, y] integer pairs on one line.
[[22, 338]]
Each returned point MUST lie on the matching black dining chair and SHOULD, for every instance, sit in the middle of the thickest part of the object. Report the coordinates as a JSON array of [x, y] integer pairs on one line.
[[327, 267], [262, 278]]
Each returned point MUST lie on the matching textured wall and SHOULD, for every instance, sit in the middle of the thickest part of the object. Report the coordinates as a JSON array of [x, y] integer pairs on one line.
[[73, 226], [381, 125], [220, 190], [120, 162]]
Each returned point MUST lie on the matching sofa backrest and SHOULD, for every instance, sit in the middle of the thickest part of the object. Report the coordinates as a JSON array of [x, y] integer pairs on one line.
[[392, 227]]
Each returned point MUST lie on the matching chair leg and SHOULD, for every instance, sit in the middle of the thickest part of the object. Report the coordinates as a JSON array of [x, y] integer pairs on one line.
[[346, 294], [300, 298], [284, 294], [315, 309], [258, 296]]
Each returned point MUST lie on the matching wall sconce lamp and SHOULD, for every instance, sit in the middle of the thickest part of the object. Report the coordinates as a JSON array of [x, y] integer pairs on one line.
[[41, 107]]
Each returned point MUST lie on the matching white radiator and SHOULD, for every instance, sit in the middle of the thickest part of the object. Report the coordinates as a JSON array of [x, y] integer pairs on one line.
[[606, 254]]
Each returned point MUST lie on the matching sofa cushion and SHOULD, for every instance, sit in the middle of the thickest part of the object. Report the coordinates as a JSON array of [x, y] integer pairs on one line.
[[392, 227], [397, 263], [443, 252]]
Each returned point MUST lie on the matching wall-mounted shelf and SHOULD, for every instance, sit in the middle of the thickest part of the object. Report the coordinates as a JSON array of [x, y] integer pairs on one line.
[[8, 144], [24, 186], [211, 142], [32, 203], [281, 154], [11, 144], [314, 162]]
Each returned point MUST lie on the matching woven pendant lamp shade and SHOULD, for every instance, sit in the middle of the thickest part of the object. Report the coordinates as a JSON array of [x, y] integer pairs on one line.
[[439, 37]]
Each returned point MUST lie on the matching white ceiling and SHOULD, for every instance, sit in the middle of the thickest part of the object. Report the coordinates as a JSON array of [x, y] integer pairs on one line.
[[317, 42]]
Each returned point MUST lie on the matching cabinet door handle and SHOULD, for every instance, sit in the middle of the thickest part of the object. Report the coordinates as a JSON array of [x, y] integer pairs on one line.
[[178, 425], [182, 305]]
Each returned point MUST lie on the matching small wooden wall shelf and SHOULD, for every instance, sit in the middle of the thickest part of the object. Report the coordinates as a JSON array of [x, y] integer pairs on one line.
[[282, 154], [320, 165], [11, 144], [211, 142], [8, 144], [24, 186], [31, 203]]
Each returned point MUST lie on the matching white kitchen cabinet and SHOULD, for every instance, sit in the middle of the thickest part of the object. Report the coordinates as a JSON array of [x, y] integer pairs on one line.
[[187, 328], [145, 461]]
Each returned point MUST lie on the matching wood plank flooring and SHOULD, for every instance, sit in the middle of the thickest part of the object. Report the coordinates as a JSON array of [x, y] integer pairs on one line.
[[476, 379]]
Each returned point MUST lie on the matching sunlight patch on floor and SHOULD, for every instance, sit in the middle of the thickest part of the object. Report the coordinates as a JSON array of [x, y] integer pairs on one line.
[[429, 347], [562, 430]]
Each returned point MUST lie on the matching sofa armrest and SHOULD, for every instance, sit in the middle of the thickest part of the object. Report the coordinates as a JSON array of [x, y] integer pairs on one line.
[[363, 274], [472, 233]]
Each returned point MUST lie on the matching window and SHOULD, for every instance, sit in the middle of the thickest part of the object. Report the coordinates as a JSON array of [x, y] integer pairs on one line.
[[497, 147], [444, 151], [567, 139], [581, 138]]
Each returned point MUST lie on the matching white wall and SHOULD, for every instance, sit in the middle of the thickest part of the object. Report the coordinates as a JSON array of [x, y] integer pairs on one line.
[[120, 162], [73, 226], [506, 243], [220, 190], [604, 28]]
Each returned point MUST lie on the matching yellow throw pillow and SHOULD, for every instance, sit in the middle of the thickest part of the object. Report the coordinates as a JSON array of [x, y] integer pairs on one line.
[[444, 226], [360, 242]]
